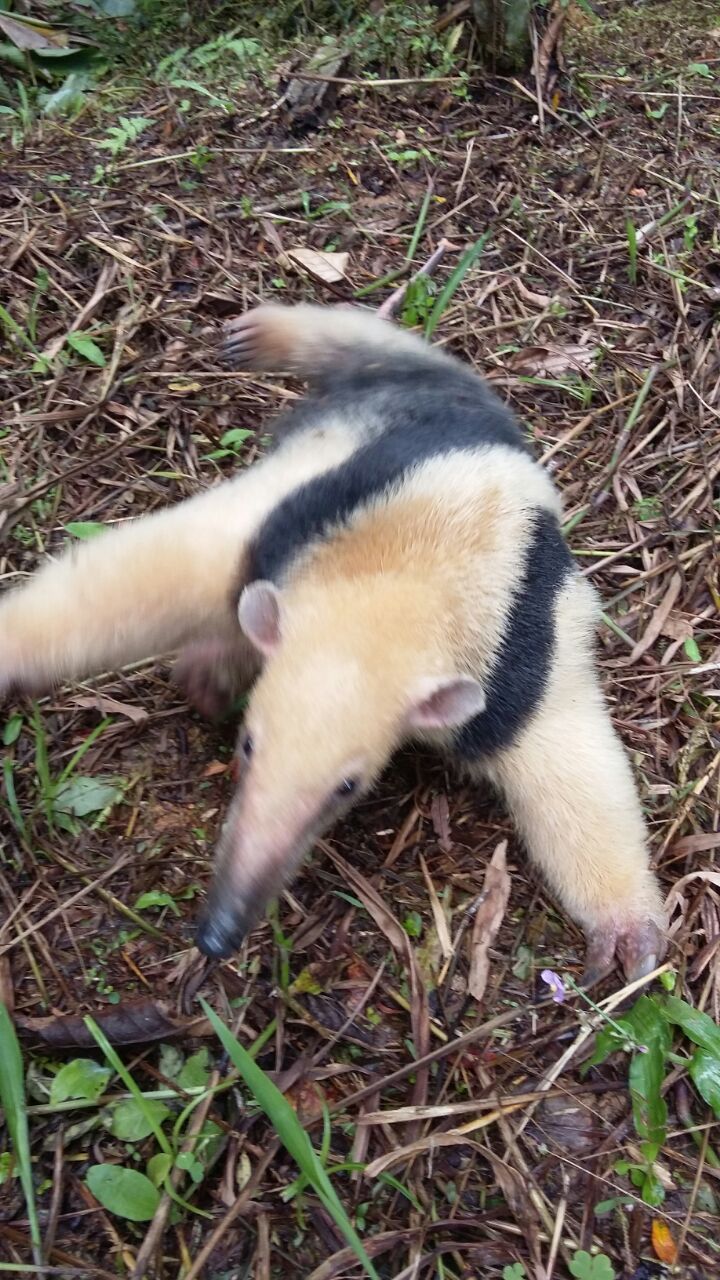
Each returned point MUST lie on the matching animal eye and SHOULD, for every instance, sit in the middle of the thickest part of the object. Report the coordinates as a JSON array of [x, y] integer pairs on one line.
[[246, 747], [346, 788]]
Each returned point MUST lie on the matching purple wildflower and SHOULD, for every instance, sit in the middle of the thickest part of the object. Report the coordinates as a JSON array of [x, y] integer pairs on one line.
[[555, 983]]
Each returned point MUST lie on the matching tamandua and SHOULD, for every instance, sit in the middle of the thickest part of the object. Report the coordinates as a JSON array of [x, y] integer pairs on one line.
[[394, 569]]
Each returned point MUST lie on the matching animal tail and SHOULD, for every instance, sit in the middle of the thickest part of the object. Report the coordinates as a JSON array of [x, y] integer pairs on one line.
[[313, 342]]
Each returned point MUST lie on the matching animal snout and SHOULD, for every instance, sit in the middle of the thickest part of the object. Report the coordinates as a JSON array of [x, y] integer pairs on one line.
[[222, 930]]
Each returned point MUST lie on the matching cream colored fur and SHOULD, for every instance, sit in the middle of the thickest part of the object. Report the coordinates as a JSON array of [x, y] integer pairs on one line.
[[570, 789], [156, 583], [418, 587], [462, 522], [308, 340]]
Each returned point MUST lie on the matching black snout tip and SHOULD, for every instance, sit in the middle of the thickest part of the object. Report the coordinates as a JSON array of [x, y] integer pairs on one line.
[[220, 934]]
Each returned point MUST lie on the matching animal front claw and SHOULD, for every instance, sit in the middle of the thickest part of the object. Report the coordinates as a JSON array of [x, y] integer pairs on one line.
[[201, 673], [639, 947]]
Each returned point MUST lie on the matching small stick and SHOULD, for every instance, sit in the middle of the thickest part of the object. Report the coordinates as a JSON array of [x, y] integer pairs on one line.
[[393, 303], [233, 1212]]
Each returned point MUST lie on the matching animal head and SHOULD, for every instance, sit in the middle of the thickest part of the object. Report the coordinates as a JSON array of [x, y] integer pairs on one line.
[[350, 670]]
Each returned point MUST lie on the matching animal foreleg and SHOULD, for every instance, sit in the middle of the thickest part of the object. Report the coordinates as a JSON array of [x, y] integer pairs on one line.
[[570, 789], [154, 584]]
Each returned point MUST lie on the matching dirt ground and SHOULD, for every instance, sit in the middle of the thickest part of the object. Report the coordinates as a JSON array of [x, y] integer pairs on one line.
[[605, 341]]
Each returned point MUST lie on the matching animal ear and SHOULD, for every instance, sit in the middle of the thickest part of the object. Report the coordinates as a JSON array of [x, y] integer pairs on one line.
[[259, 615], [447, 703]]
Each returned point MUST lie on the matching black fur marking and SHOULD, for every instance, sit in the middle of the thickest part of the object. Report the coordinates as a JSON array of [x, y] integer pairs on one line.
[[519, 677], [408, 412]]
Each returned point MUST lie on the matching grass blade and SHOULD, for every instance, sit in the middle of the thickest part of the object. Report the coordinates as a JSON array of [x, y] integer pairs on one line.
[[42, 767], [419, 226], [12, 802], [82, 749], [290, 1132], [12, 1096], [453, 284], [131, 1085]]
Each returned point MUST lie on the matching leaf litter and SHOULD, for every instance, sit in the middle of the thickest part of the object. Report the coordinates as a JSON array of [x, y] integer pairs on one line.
[[141, 274]]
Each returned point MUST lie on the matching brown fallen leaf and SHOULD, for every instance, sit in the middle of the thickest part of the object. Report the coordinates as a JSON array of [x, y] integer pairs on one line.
[[131, 1022], [440, 815], [552, 360], [328, 267], [678, 628], [111, 707], [514, 1188], [539, 299], [214, 768], [676, 899], [695, 844], [547, 50], [660, 615], [488, 918], [29, 33]]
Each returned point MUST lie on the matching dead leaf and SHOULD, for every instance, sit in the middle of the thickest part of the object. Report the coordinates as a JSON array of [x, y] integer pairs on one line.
[[488, 918], [539, 299], [677, 629], [662, 1242], [440, 815], [307, 1099], [661, 613], [439, 918], [547, 50], [514, 1188], [26, 34], [328, 267], [131, 1022], [703, 841], [676, 900], [430, 1143], [111, 707], [214, 768], [552, 360]]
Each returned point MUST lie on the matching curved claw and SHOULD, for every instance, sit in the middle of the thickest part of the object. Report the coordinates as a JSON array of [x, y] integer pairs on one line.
[[201, 674], [260, 339], [600, 955], [639, 947], [242, 344]]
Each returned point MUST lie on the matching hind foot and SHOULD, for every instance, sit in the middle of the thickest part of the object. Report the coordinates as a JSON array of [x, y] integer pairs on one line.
[[264, 338]]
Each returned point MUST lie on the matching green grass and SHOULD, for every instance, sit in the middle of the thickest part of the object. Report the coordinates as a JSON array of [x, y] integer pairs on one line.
[[12, 1096], [290, 1132], [452, 285]]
